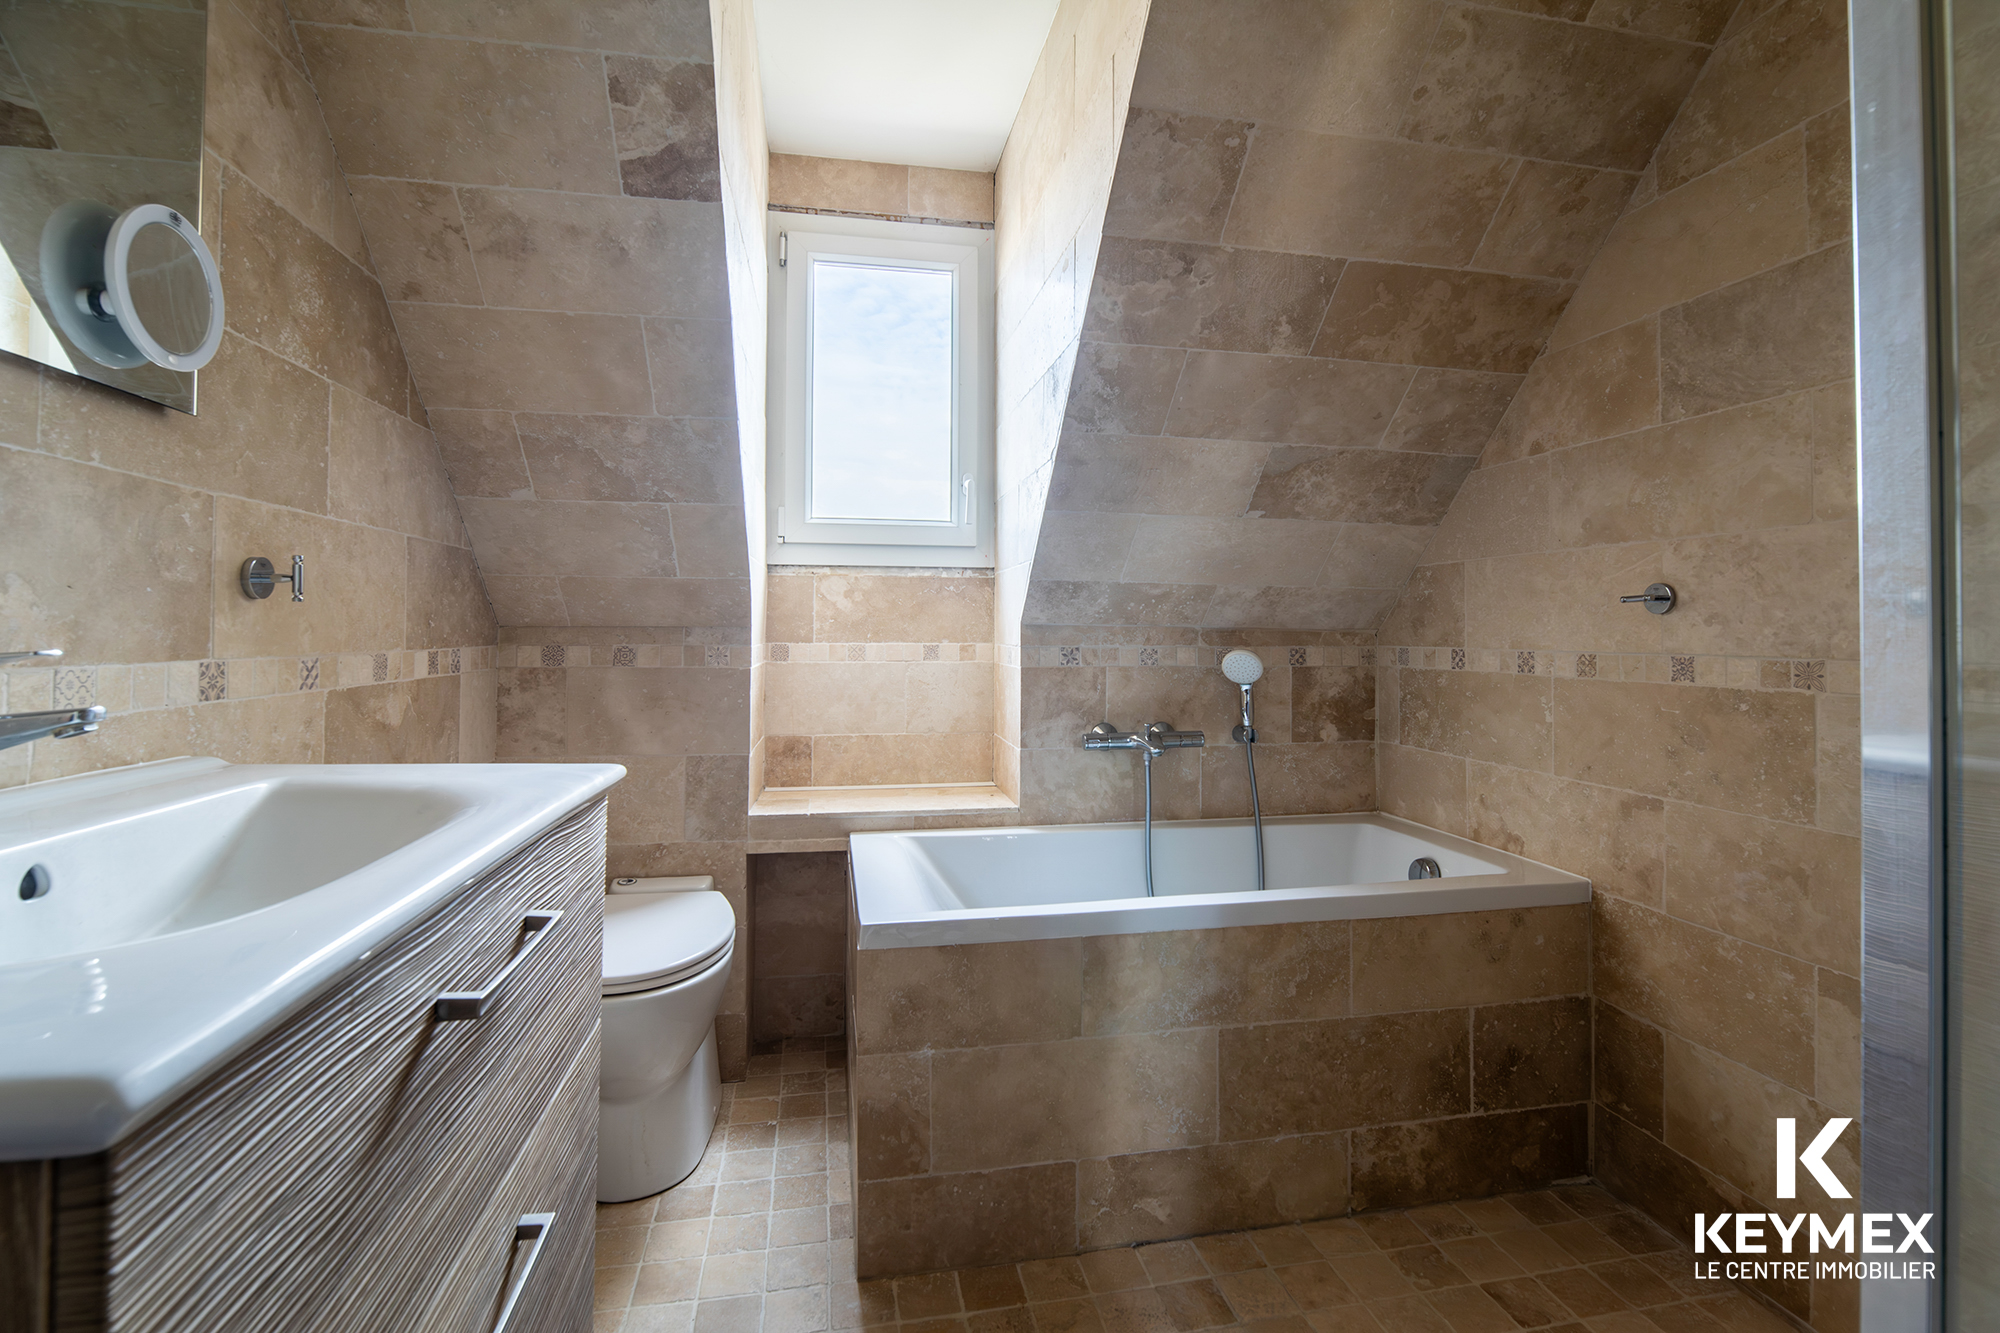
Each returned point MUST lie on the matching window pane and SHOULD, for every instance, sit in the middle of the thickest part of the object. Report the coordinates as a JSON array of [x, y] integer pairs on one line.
[[881, 393]]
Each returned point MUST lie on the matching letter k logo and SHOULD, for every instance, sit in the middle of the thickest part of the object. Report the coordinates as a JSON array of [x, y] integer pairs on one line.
[[1812, 1159]]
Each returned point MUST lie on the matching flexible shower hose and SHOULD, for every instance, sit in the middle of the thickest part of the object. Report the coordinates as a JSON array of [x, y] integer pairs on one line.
[[1256, 812]]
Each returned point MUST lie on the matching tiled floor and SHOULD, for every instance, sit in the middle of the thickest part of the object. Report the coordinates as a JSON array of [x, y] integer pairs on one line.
[[760, 1240]]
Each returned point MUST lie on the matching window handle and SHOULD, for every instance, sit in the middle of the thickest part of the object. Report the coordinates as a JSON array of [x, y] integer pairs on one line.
[[965, 497]]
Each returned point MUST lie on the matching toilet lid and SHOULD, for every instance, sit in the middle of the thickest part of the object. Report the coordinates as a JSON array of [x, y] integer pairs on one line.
[[657, 939]]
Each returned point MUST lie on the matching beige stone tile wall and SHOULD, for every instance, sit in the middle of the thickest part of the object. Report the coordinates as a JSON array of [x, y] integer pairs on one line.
[[567, 207], [745, 163], [548, 218], [1327, 263], [880, 189], [1049, 197], [1189, 1082], [1692, 423], [126, 523], [798, 911], [1314, 710], [878, 678], [673, 706]]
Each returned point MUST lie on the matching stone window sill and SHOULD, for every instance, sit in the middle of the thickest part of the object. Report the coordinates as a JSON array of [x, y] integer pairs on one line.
[[954, 800]]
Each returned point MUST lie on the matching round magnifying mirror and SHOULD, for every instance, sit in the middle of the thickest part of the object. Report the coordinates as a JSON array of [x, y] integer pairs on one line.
[[163, 285]]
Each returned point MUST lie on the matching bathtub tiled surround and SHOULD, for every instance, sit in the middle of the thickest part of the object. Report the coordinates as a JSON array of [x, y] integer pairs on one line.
[[1690, 423], [127, 523], [1028, 1100], [877, 678], [760, 1240]]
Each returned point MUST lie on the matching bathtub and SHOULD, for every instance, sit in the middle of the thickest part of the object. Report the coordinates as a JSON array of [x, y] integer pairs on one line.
[[978, 886]]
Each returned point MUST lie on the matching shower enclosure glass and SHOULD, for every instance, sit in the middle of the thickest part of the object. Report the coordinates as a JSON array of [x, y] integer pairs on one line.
[[1967, 41]]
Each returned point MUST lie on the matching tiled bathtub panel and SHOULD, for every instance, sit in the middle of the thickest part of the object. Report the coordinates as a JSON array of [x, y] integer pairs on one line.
[[1192, 1081], [1428, 962]]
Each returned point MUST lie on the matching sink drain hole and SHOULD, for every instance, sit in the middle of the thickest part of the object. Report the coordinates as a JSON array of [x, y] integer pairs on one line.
[[35, 884]]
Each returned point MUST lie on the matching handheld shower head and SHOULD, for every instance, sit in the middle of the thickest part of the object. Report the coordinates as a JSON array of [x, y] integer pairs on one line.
[[1243, 667]]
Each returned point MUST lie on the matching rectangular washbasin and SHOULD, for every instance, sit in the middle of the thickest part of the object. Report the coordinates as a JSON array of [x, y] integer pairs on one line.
[[155, 920], [134, 869]]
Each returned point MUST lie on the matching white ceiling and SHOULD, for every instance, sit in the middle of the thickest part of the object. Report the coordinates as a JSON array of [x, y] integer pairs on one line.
[[928, 83]]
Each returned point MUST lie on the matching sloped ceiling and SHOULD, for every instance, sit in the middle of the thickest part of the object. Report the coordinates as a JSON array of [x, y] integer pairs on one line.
[[1339, 234], [539, 186]]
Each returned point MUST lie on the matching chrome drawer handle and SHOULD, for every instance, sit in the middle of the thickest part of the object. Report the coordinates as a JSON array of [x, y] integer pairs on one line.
[[453, 1005], [533, 1228]]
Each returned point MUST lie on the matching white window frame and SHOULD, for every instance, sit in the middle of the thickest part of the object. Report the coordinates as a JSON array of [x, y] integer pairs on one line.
[[966, 542]]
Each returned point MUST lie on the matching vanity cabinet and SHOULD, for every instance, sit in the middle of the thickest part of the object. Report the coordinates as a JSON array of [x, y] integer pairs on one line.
[[369, 1165]]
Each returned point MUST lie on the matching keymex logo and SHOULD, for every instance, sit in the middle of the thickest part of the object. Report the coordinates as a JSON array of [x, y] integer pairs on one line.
[[1809, 1234]]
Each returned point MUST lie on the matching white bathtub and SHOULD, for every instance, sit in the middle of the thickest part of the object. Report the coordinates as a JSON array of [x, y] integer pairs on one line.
[[976, 886]]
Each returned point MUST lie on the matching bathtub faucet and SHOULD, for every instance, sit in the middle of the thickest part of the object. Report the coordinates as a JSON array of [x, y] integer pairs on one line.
[[1104, 736], [1151, 741]]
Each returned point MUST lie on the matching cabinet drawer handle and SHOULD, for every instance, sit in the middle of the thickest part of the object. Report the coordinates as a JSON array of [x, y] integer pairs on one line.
[[453, 1005], [533, 1228]]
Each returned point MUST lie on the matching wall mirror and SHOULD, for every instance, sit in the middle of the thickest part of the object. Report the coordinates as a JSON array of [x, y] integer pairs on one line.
[[100, 193]]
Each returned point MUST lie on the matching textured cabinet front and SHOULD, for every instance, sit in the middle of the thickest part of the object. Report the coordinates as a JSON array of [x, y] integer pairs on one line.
[[329, 1176]]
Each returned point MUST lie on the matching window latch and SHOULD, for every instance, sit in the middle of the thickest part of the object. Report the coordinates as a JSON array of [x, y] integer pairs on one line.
[[783, 237]]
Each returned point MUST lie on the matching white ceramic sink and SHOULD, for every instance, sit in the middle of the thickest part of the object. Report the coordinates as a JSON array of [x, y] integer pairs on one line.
[[154, 920]]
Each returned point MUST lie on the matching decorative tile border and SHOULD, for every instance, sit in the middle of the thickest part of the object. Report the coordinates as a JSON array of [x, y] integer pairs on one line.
[[144, 686], [878, 652], [1817, 675], [1188, 655]]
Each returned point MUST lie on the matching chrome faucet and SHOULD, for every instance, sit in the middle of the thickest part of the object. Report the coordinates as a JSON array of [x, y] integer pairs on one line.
[[1151, 741], [60, 723]]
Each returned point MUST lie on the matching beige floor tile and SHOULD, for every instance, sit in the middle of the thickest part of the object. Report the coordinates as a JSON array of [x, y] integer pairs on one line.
[[675, 1318], [1113, 1270], [796, 1266], [1470, 1310], [1172, 1261], [732, 1275], [1256, 1294], [1315, 1286], [668, 1283], [760, 1240], [613, 1286], [738, 1314], [1479, 1259], [799, 1310], [1054, 1280], [1229, 1254], [1344, 1319], [1409, 1314]]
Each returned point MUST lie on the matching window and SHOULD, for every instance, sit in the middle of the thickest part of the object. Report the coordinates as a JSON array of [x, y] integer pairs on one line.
[[881, 399]]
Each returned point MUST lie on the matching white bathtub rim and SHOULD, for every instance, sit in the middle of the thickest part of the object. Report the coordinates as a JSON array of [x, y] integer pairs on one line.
[[1525, 884]]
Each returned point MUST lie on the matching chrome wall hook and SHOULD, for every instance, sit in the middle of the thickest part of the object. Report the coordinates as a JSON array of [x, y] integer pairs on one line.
[[1658, 598], [260, 578]]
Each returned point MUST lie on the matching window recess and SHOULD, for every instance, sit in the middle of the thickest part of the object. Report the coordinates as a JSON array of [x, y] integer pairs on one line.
[[881, 393]]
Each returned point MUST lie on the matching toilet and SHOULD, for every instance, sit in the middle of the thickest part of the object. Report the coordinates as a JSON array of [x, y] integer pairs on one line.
[[667, 949]]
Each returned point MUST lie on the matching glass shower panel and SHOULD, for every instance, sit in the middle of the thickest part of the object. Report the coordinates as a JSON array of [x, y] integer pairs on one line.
[[1970, 48]]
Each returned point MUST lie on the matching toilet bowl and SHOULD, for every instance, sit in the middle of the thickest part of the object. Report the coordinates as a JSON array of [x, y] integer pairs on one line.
[[666, 960]]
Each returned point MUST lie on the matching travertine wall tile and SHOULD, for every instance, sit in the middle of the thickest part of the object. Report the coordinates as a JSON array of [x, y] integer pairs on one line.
[[1690, 981], [1469, 1156], [1700, 768], [1469, 958], [1746, 216], [307, 442], [1615, 837], [1192, 1191]]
